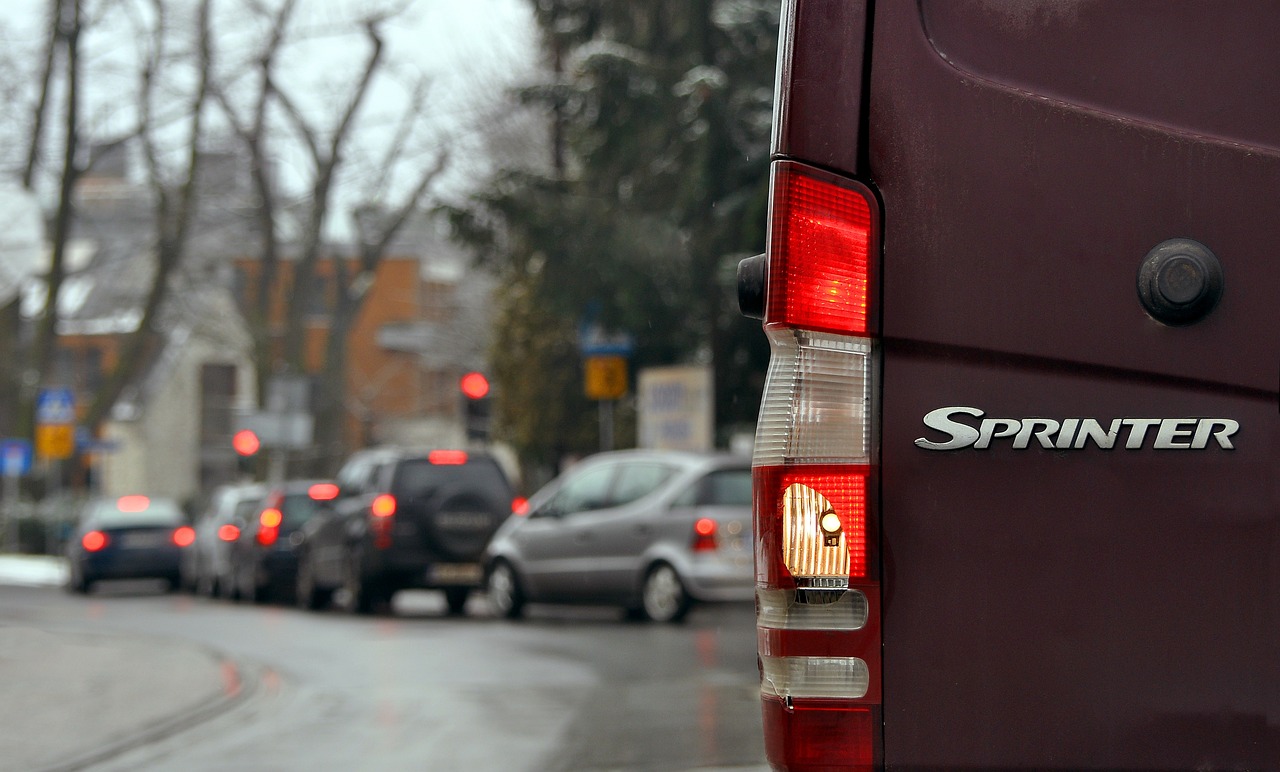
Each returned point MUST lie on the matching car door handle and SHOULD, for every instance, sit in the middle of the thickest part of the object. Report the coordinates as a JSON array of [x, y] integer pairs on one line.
[[642, 530], [582, 536]]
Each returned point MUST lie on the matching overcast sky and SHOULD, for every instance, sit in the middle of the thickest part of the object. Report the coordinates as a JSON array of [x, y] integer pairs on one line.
[[471, 49]]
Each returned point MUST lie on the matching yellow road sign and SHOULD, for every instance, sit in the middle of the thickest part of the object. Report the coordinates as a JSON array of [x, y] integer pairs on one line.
[[55, 441], [606, 377]]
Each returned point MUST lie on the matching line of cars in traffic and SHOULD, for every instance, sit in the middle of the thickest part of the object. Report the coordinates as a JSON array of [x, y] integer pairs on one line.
[[652, 532]]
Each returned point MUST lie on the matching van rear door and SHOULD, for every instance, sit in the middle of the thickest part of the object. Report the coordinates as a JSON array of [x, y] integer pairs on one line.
[[1081, 544]]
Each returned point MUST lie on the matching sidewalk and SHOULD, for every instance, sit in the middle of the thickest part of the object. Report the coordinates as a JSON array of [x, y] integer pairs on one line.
[[74, 697]]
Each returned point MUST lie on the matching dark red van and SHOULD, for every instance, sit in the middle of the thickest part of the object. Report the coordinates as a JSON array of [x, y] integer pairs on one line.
[[1017, 459]]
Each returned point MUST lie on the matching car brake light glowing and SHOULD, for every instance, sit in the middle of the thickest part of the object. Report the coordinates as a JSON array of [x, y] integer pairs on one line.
[[383, 510], [133, 503], [520, 506], [94, 541], [447, 457], [228, 532], [821, 237], [384, 506], [184, 536], [814, 476], [704, 535], [323, 492], [269, 526]]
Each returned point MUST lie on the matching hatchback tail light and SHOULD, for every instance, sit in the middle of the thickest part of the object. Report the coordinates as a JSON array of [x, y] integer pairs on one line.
[[704, 535], [228, 532], [817, 568], [94, 541]]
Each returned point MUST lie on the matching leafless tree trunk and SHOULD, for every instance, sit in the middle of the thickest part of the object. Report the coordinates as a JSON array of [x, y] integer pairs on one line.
[[46, 337], [175, 210], [326, 159], [253, 133]]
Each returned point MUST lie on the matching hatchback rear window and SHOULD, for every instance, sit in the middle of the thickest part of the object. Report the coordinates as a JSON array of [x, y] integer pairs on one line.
[[419, 477]]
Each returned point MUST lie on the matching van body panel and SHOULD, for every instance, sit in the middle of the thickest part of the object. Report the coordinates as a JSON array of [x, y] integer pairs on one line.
[[1076, 608]]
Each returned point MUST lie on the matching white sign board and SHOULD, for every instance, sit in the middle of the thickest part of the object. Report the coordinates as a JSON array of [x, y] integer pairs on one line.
[[676, 408]]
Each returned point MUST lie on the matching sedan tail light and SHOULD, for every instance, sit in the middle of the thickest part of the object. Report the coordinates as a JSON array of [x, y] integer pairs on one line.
[[94, 541]]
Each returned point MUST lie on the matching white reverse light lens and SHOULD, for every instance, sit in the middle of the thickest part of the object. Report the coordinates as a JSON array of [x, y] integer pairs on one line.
[[817, 400], [811, 609], [830, 677]]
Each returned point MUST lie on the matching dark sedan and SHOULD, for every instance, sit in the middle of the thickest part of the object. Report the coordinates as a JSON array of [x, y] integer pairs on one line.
[[130, 537]]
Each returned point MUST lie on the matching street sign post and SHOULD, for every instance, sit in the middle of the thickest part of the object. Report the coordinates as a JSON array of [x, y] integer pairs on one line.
[[15, 461], [55, 423]]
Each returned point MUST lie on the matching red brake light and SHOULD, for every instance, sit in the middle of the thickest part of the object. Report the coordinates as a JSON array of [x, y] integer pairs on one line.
[[228, 532], [819, 734], [520, 506], [447, 457], [269, 526], [133, 503], [384, 506], [704, 535], [821, 237], [323, 491], [94, 541], [184, 536]]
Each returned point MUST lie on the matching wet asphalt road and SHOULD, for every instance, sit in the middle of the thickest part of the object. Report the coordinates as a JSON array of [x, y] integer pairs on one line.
[[208, 685]]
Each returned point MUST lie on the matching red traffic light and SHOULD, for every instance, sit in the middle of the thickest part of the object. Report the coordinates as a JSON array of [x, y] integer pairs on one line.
[[245, 442], [474, 385]]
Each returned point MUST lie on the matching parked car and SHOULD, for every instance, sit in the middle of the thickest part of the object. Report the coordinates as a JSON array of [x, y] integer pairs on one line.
[[130, 537], [206, 567], [651, 531], [404, 519], [263, 558]]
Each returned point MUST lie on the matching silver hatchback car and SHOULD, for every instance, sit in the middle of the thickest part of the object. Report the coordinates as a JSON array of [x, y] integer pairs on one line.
[[651, 531]]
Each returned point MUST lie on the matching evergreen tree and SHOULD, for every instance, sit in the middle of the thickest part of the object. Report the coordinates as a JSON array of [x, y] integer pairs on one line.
[[658, 117]]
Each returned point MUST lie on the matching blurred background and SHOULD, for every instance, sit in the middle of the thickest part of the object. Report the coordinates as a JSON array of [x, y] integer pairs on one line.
[[311, 218]]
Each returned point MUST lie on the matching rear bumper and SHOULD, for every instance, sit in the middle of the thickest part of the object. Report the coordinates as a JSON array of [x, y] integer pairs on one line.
[[132, 564], [421, 569]]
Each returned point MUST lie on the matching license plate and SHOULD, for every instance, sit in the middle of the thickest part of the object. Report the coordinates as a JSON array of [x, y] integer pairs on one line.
[[455, 573], [136, 541]]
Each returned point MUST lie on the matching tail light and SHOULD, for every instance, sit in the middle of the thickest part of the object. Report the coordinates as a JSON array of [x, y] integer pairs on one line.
[[383, 512], [447, 457], [817, 566], [269, 526], [323, 492], [94, 541], [184, 536], [228, 532], [704, 535], [520, 506]]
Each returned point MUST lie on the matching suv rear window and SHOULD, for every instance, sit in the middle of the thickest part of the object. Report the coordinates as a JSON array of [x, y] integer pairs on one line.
[[416, 478], [297, 508]]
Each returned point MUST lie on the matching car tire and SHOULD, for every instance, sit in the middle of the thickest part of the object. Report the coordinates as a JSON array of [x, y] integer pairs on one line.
[[78, 583], [456, 599], [362, 593], [504, 591], [309, 596], [663, 597]]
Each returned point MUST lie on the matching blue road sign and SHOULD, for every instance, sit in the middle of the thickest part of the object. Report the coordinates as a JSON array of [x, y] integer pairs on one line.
[[15, 457], [55, 406]]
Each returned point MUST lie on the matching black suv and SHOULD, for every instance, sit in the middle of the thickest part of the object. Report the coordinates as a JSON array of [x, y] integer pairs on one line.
[[403, 519]]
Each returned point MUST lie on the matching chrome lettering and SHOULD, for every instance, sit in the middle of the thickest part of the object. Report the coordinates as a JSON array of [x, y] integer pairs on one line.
[[1075, 433]]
